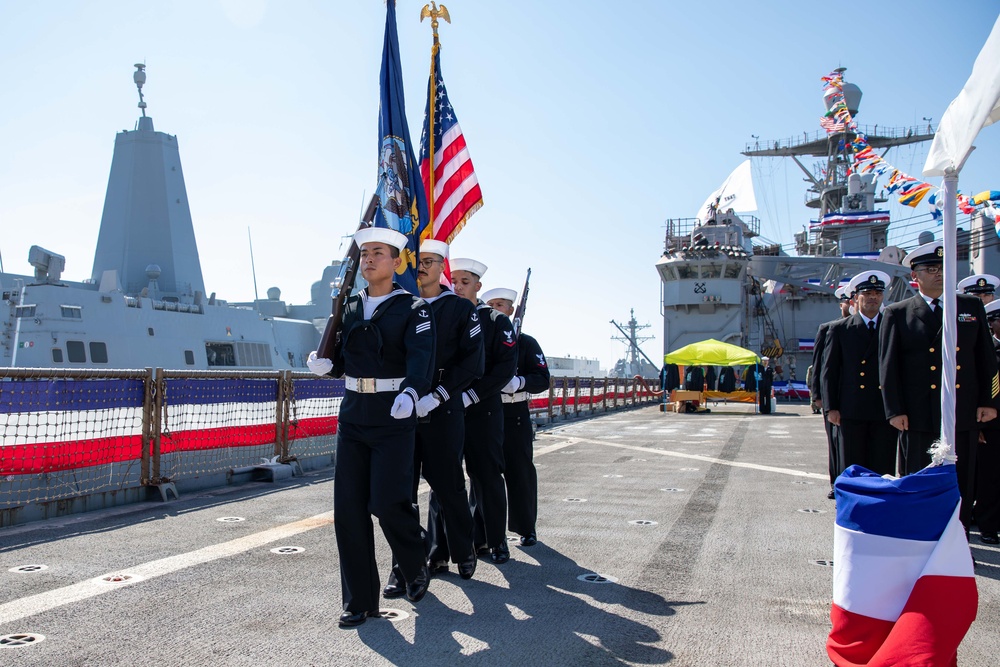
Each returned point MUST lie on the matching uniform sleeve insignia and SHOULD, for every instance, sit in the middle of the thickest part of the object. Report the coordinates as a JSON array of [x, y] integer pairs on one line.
[[509, 335], [996, 385], [423, 313], [964, 318], [475, 316], [541, 360]]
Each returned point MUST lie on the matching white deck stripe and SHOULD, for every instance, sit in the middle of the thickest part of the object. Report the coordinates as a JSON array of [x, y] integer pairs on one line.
[[707, 459], [42, 602]]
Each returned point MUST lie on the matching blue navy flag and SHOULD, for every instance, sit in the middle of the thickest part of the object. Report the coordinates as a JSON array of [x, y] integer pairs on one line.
[[403, 203]]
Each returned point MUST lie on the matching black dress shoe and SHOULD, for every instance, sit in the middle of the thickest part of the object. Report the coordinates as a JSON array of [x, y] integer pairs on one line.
[[350, 619], [482, 550], [830, 495], [500, 555], [467, 568], [989, 538], [529, 540], [393, 588], [438, 567], [415, 589]]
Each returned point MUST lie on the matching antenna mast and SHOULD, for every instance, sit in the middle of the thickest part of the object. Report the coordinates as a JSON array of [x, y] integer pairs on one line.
[[633, 341], [253, 270]]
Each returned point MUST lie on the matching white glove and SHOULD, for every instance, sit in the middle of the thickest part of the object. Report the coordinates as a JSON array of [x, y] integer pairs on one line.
[[514, 385], [426, 404], [402, 407], [319, 365], [466, 399]]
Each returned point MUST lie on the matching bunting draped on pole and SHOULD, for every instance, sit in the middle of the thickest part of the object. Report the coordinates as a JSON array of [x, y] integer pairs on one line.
[[450, 182], [904, 591], [403, 204]]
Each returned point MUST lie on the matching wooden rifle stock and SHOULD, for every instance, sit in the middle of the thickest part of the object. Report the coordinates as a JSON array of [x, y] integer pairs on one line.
[[342, 288], [521, 306]]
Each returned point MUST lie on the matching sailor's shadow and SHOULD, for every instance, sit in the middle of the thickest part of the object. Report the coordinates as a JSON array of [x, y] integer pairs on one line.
[[547, 615]]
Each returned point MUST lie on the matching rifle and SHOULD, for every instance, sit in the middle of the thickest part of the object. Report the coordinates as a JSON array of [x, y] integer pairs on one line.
[[521, 306], [342, 287]]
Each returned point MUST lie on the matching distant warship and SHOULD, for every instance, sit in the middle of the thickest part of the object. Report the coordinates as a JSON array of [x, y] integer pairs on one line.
[[719, 281], [145, 303]]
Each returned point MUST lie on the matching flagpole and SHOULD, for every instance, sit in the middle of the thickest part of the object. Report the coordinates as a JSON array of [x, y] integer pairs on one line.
[[434, 13], [949, 334]]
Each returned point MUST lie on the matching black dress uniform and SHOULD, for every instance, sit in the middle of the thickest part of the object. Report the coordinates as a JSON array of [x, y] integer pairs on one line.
[[520, 474], [910, 370], [695, 379], [987, 508], [850, 384], [440, 436], [816, 390], [484, 430], [379, 357], [727, 379], [764, 388]]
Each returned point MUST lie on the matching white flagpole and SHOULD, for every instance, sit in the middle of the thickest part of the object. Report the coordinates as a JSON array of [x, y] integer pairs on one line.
[[949, 334]]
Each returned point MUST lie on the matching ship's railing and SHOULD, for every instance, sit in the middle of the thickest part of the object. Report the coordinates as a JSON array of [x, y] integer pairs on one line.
[[679, 230], [904, 132], [573, 397], [80, 439]]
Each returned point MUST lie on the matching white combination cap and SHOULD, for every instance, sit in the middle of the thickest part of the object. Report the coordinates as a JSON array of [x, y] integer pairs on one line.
[[993, 310], [380, 235], [981, 283], [470, 265], [499, 293], [869, 280], [840, 293], [928, 253], [434, 247]]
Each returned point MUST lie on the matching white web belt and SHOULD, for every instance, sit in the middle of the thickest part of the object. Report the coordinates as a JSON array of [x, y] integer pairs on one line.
[[372, 385]]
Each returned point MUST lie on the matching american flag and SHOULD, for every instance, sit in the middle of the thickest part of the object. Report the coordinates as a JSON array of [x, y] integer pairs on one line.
[[456, 193], [831, 125]]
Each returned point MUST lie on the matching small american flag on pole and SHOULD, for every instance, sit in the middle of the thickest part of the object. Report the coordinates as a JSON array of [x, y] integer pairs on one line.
[[831, 125], [455, 195]]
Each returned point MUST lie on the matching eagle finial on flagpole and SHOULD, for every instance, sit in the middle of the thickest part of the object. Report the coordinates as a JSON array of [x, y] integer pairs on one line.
[[434, 12]]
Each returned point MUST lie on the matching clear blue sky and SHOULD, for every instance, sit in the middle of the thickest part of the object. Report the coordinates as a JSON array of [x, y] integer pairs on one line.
[[590, 124]]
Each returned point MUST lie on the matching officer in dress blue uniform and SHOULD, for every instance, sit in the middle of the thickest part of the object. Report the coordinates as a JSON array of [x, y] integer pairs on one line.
[[532, 378], [910, 371], [987, 492], [987, 507], [816, 390], [441, 422], [387, 358], [484, 460], [852, 397]]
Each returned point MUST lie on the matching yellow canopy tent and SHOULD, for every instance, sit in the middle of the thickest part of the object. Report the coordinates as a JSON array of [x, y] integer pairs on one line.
[[711, 352]]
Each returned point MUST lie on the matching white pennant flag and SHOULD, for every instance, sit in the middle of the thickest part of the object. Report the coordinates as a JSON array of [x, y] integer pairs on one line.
[[977, 106]]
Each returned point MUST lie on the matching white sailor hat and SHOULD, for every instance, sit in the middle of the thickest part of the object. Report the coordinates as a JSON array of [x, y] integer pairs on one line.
[[499, 293], [470, 265], [765, 358], [842, 293], [869, 280], [380, 235], [993, 310], [434, 247], [928, 253], [981, 283]]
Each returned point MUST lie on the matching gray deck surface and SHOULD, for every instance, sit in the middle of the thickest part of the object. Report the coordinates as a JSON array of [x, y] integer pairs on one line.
[[725, 576]]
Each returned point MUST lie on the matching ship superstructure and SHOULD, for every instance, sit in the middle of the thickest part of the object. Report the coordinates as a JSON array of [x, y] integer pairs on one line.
[[719, 280], [145, 303]]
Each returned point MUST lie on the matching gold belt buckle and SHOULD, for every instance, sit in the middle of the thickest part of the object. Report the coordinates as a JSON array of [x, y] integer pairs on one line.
[[366, 385]]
